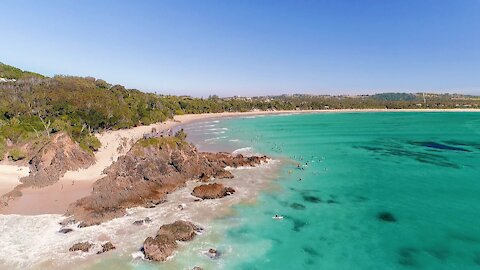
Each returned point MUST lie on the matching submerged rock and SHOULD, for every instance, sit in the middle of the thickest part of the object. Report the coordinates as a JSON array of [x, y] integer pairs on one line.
[[212, 191], [297, 206], [213, 254], [386, 216], [82, 246], [312, 199]]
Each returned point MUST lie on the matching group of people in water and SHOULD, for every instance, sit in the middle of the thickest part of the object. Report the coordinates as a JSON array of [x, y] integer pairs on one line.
[[301, 167]]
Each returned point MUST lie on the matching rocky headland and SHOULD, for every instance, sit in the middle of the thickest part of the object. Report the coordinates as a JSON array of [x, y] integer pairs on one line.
[[151, 169]]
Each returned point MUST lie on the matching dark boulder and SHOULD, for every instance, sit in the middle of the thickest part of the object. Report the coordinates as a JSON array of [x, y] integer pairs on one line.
[[160, 247], [212, 191], [180, 230], [82, 246], [106, 247]]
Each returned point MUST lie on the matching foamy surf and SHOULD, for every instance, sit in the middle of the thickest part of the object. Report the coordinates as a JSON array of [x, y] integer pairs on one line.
[[34, 241], [246, 151]]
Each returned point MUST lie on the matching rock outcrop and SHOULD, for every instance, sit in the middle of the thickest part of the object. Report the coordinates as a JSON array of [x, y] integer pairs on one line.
[[82, 246], [212, 191], [213, 254], [180, 230], [160, 247], [54, 159], [143, 177], [49, 163], [65, 230], [106, 247]]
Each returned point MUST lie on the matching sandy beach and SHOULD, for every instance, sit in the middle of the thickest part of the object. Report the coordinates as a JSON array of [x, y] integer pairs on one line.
[[10, 176], [76, 184], [41, 209]]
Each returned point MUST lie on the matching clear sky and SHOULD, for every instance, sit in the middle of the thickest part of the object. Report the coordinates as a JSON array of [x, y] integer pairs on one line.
[[240, 47]]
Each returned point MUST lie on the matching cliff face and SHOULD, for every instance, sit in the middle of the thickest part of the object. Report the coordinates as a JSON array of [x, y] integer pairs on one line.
[[49, 163], [147, 173], [59, 155]]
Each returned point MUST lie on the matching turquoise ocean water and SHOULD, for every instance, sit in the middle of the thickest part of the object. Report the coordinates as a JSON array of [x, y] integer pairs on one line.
[[380, 191], [396, 190]]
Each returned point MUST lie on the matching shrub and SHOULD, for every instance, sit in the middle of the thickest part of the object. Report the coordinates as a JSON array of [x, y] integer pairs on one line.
[[16, 154], [3, 147], [90, 143]]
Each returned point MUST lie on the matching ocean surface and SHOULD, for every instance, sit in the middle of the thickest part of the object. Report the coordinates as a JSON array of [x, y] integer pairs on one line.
[[373, 191], [397, 190]]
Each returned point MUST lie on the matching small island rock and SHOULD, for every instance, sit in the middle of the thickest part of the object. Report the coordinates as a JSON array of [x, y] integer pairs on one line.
[[180, 230], [212, 191], [159, 248]]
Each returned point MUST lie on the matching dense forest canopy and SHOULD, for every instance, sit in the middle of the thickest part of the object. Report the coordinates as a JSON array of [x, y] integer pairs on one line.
[[33, 106]]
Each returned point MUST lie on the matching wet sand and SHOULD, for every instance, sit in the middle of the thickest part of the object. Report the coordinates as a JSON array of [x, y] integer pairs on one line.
[[53, 199], [41, 246]]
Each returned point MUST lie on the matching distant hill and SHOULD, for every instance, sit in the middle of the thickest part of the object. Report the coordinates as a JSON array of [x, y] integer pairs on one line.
[[10, 72], [395, 96]]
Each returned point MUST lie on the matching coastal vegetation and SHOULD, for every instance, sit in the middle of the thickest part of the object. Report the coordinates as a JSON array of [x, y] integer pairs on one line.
[[33, 107]]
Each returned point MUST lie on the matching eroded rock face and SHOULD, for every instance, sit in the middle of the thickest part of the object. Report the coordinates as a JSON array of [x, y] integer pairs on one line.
[[160, 247], [82, 246], [53, 160], [143, 177], [180, 230], [212, 191], [49, 163]]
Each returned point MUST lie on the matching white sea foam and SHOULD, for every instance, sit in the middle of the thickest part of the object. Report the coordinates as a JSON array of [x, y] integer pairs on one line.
[[246, 151], [215, 138], [216, 129], [34, 241]]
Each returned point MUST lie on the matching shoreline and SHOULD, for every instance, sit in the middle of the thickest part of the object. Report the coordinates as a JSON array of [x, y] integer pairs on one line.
[[53, 250], [117, 143], [43, 246]]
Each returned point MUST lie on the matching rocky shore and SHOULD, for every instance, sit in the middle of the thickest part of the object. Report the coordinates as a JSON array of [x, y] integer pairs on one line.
[[153, 168], [162, 246]]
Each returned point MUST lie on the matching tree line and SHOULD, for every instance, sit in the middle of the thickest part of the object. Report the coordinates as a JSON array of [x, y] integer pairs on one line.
[[34, 107]]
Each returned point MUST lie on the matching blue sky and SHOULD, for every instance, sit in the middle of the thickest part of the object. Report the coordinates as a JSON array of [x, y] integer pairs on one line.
[[250, 47]]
